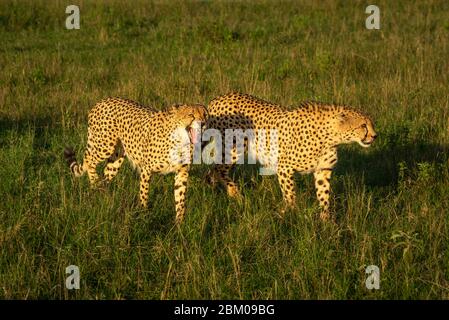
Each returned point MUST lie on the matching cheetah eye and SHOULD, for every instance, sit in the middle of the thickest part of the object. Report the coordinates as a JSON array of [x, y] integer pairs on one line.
[[364, 126]]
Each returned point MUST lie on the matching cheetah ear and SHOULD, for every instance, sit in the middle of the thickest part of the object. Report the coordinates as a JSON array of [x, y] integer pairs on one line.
[[173, 108], [342, 117], [201, 109]]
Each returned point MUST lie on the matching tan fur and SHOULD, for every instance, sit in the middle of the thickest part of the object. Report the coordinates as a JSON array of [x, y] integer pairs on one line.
[[119, 127], [308, 138]]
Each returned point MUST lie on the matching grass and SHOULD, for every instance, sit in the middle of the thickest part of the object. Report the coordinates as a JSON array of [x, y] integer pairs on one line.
[[391, 201]]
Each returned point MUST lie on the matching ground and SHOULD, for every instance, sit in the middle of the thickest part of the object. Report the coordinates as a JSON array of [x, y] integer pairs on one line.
[[390, 200]]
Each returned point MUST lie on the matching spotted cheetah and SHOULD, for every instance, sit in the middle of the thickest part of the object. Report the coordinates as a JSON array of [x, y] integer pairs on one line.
[[150, 139], [307, 140]]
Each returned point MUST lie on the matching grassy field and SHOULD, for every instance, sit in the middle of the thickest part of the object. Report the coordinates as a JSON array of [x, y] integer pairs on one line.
[[391, 200]]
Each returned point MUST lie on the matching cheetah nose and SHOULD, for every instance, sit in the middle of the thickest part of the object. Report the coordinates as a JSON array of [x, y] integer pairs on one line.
[[374, 136]]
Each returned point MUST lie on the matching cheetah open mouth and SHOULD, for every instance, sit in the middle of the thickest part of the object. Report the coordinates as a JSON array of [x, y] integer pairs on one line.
[[194, 131]]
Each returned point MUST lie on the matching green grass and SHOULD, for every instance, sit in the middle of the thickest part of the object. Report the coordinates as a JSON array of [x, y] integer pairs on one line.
[[391, 201]]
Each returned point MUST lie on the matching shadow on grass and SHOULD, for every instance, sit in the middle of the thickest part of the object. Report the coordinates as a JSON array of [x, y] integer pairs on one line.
[[42, 129], [381, 166], [24, 125]]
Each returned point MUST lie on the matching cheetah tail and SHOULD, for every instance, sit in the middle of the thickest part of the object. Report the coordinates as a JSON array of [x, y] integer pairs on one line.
[[75, 168]]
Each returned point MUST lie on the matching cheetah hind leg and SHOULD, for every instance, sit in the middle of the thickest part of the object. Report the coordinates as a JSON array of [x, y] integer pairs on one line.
[[231, 187], [78, 169], [114, 163], [90, 162], [219, 175], [212, 177], [70, 158], [285, 176]]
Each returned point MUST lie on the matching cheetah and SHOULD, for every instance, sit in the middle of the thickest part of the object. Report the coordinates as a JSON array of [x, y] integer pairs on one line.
[[153, 141], [307, 140]]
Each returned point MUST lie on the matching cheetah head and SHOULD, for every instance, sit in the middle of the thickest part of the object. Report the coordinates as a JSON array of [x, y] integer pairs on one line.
[[354, 126], [192, 118]]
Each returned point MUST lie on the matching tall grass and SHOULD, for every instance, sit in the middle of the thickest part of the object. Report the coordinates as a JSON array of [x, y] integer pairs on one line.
[[390, 201]]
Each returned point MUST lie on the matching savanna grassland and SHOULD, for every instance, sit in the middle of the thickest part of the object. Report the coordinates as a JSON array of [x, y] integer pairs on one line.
[[390, 201]]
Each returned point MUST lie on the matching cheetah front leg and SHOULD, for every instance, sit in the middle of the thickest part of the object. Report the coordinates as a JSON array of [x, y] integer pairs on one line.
[[145, 176], [180, 192], [322, 185]]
